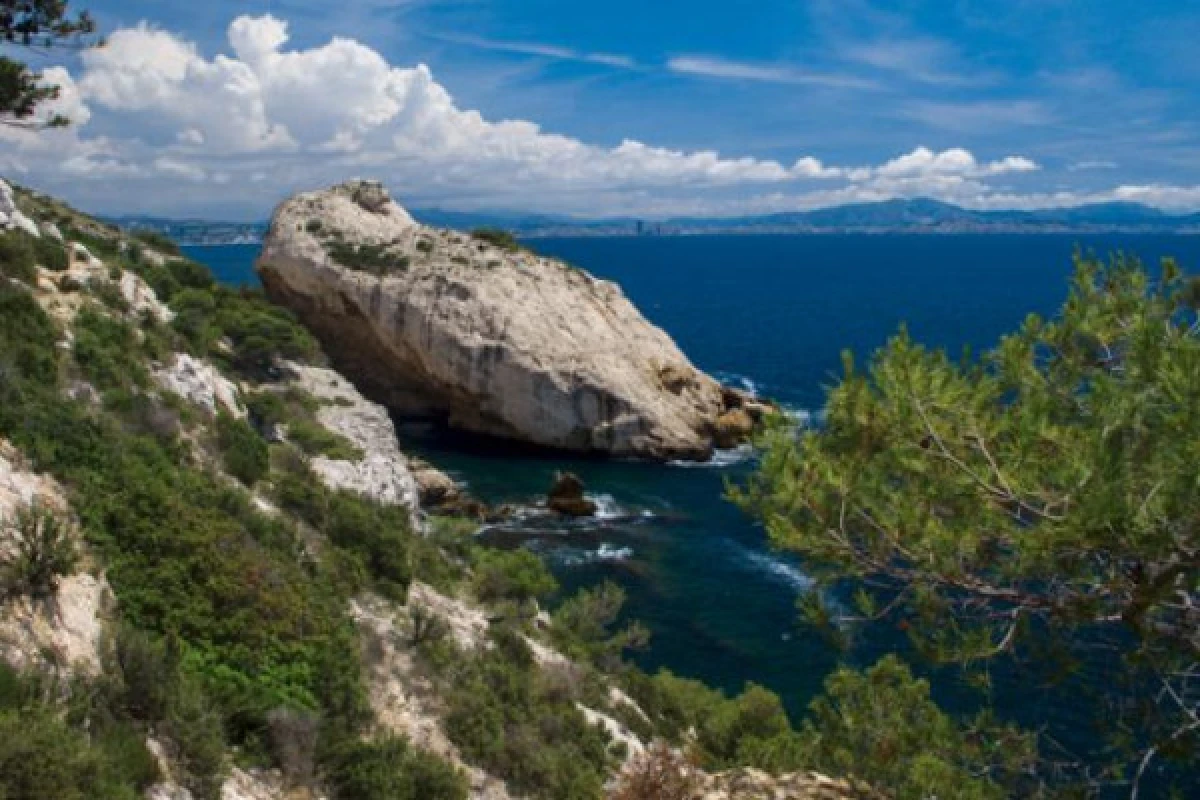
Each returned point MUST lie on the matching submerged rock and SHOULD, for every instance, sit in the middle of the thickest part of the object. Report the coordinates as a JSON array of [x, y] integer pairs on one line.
[[567, 498], [491, 338]]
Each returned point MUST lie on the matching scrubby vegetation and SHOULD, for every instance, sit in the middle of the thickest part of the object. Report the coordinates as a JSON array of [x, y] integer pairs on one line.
[[159, 241], [518, 722], [497, 237], [231, 623], [44, 551], [1036, 510], [377, 259]]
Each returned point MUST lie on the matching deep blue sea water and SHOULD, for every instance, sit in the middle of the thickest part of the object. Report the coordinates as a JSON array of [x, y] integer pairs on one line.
[[774, 313]]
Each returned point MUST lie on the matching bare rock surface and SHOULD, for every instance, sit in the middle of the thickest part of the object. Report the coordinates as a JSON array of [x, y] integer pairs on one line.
[[492, 338], [200, 383], [383, 472], [11, 217], [66, 628]]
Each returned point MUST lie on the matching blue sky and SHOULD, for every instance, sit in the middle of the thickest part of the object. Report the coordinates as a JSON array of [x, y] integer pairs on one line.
[[650, 108]]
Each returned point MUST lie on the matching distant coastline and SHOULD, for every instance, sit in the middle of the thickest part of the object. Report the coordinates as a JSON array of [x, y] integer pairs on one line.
[[915, 216]]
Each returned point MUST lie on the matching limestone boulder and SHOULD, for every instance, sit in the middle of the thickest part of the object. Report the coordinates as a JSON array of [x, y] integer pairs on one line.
[[489, 338]]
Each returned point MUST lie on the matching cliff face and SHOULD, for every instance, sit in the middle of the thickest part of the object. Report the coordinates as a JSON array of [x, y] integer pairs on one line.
[[494, 339]]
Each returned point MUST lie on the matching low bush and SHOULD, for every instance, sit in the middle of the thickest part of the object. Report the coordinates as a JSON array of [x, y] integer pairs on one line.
[[46, 751], [508, 717], [514, 576], [45, 552], [18, 259], [377, 259], [108, 352], [497, 237], [316, 440], [388, 768], [659, 773], [51, 254], [159, 241], [243, 451], [583, 627]]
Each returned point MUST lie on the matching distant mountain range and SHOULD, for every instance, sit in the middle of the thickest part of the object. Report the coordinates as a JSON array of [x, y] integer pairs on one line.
[[919, 215]]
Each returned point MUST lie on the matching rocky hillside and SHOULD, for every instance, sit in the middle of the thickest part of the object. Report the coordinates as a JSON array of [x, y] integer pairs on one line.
[[217, 580], [488, 335]]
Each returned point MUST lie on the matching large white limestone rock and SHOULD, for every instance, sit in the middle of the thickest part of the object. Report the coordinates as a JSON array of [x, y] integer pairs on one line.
[[496, 341]]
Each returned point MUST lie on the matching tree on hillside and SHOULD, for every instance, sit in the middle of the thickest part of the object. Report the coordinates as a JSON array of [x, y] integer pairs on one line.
[[1041, 505], [34, 24]]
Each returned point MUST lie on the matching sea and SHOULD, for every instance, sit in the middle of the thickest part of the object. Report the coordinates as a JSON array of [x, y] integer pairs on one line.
[[773, 315]]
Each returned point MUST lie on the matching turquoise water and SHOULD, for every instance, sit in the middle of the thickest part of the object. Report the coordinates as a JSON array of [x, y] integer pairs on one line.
[[772, 313]]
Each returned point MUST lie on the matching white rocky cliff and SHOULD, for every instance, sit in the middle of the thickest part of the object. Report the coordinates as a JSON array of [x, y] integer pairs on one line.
[[491, 337]]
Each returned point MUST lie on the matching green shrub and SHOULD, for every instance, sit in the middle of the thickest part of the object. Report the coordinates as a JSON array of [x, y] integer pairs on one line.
[[517, 576], [497, 237], [377, 259], [159, 241], [380, 535], [51, 254], [882, 727], [110, 295], [388, 768], [243, 451], [583, 627], [18, 259], [316, 440], [108, 352], [45, 552], [507, 716]]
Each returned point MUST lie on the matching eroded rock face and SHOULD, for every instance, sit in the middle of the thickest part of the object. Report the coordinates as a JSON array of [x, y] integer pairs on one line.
[[201, 383], [494, 340], [382, 473], [11, 216]]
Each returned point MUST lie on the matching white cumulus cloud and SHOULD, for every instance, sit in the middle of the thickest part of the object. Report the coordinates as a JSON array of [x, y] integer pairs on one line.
[[245, 127]]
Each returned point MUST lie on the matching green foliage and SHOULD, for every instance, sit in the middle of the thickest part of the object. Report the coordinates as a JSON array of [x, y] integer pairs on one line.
[[316, 440], [377, 259], [1043, 501], [159, 241], [583, 627], [44, 551], [882, 727], [51, 254], [239, 328], [243, 451], [33, 23], [388, 768], [514, 576], [108, 351], [751, 729], [18, 260], [497, 237], [505, 714], [46, 752]]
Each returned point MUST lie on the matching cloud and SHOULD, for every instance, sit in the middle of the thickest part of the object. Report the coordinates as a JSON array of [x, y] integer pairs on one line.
[[243, 128], [712, 67], [921, 59], [980, 116], [1081, 166], [542, 50]]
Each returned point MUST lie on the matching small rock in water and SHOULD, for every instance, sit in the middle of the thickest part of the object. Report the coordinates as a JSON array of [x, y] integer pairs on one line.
[[566, 496]]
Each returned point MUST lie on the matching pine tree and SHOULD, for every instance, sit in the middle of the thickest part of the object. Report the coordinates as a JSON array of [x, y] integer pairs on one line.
[[1043, 501], [34, 24]]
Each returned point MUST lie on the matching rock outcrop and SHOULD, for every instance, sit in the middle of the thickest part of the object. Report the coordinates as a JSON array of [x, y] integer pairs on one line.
[[567, 498], [382, 473], [490, 337], [200, 383], [11, 217]]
